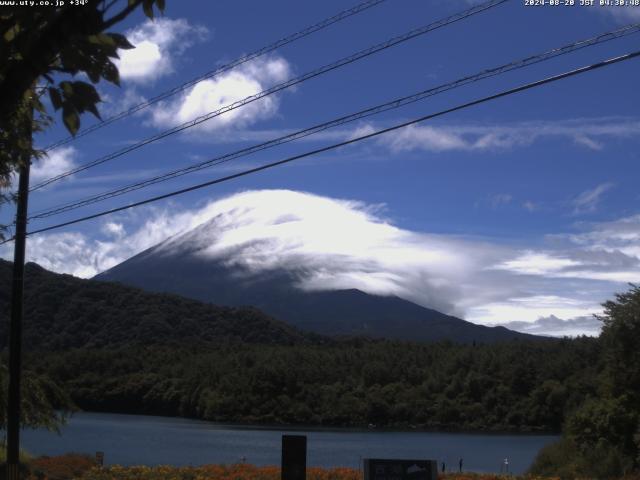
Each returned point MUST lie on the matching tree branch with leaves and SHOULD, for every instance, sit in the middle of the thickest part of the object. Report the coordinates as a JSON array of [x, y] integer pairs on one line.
[[44, 51]]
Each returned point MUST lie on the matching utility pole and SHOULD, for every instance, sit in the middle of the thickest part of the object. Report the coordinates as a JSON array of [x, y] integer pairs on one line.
[[15, 325]]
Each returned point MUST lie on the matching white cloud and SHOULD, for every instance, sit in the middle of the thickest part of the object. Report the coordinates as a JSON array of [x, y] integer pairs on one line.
[[426, 138], [225, 89], [84, 256], [552, 325], [157, 44], [589, 260], [501, 199], [113, 229], [332, 244], [535, 263], [359, 131], [589, 200], [619, 235], [68, 252], [624, 276], [590, 133], [620, 13], [58, 161], [127, 98], [588, 142], [529, 309], [530, 206]]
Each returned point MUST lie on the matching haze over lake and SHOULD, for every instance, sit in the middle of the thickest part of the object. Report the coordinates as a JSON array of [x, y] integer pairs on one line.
[[137, 439]]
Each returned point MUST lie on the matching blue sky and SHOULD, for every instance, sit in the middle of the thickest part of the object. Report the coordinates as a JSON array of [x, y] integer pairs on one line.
[[523, 211]]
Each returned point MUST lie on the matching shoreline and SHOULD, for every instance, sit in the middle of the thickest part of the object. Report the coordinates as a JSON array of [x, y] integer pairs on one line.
[[325, 428]]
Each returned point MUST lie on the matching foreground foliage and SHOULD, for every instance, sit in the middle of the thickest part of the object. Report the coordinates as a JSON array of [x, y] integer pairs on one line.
[[83, 468], [213, 472], [602, 437], [43, 50], [70, 465], [43, 403]]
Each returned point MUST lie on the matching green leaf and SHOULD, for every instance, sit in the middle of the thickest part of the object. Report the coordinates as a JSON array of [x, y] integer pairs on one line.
[[71, 57], [56, 99], [71, 119], [147, 7], [23, 143], [10, 34], [37, 104], [121, 41], [67, 89], [110, 73], [93, 72], [94, 110], [86, 90], [85, 98], [102, 39]]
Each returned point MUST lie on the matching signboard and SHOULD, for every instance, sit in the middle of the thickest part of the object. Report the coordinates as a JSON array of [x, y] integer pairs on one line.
[[387, 469], [294, 457]]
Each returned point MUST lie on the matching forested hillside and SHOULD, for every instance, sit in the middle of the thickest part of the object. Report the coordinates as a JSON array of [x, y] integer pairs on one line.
[[63, 312], [516, 386]]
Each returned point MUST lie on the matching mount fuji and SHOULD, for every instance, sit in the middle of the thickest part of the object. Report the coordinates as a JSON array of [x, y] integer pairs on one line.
[[229, 260]]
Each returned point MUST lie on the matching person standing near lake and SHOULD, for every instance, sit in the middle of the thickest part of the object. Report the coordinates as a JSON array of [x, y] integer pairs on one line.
[[460, 465]]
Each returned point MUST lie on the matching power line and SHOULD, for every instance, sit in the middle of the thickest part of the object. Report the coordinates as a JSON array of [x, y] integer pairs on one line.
[[224, 68], [504, 93], [276, 88], [399, 102]]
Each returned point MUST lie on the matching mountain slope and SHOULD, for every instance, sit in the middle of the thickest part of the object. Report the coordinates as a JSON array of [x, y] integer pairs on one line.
[[62, 312], [179, 268]]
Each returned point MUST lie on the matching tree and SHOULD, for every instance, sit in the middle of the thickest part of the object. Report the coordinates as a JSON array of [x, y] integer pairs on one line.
[[44, 51], [621, 338], [621, 382], [44, 403], [602, 437]]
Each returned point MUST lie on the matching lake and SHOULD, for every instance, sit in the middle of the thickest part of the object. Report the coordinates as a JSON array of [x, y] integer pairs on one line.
[[147, 440]]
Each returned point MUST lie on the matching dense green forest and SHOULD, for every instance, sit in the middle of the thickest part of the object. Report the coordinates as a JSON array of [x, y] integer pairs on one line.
[[514, 386]]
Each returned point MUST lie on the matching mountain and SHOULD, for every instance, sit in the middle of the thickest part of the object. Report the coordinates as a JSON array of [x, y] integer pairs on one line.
[[64, 312], [181, 266]]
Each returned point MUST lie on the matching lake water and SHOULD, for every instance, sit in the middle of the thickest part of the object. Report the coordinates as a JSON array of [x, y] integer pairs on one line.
[[146, 440]]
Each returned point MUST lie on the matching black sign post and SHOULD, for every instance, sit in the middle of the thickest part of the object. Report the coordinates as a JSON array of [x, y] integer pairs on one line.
[[294, 457], [387, 469]]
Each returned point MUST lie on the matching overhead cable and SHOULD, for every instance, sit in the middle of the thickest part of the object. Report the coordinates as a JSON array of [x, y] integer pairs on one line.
[[504, 93], [396, 103], [217, 71], [277, 88]]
